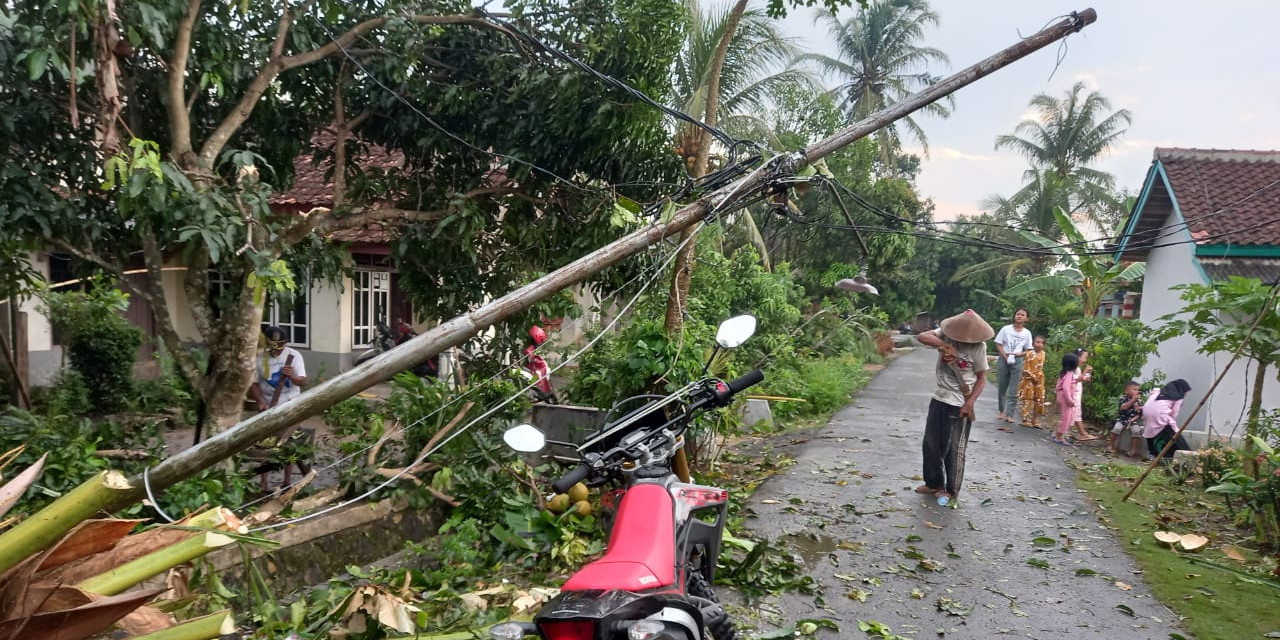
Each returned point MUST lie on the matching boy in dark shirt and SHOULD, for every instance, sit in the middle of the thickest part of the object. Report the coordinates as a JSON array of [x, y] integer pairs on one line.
[[1129, 417]]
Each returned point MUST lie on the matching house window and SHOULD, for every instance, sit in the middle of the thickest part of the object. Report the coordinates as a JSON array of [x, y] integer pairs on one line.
[[292, 313], [219, 290], [371, 297]]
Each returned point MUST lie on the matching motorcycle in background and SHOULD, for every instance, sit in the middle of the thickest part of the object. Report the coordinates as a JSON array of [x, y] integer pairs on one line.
[[383, 342], [654, 581], [535, 371]]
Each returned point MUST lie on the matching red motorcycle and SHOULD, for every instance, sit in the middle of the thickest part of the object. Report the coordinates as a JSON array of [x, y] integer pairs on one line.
[[654, 581]]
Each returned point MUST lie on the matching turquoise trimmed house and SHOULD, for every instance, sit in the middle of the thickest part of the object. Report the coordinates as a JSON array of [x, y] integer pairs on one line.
[[1204, 215]]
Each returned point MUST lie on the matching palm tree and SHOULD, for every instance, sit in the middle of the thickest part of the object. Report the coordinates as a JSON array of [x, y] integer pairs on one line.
[[880, 61], [734, 58], [1083, 268], [1069, 134]]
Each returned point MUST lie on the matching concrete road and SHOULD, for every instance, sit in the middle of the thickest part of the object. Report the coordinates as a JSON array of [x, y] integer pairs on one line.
[[1023, 553]]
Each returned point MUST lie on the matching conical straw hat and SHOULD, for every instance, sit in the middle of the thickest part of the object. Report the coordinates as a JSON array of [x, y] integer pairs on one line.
[[967, 327]]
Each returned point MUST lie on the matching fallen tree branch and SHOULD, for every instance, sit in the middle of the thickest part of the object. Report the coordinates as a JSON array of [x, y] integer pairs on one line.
[[123, 454], [445, 430], [278, 503]]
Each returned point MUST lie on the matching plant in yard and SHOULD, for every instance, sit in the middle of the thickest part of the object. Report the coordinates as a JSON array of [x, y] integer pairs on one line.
[[100, 341], [1118, 349], [1259, 489]]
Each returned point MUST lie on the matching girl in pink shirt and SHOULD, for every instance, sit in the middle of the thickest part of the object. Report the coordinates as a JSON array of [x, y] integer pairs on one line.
[[1068, 397]]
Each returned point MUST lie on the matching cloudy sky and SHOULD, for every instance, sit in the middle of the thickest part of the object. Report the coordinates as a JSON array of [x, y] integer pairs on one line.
[[1193, 74]]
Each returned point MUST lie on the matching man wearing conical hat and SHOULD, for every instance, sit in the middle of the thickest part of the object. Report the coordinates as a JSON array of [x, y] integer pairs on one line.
[[961, 372]]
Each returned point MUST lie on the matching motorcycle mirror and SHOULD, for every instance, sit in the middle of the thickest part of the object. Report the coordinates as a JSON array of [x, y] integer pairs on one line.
[[735, 331], [525, 438]]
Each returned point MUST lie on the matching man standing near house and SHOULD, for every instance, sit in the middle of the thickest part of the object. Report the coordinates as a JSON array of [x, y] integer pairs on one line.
[[961, 374], [281, 372]]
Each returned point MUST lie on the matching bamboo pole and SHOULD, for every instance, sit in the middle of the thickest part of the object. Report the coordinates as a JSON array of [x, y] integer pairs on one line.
[[461, 328], [50, 523], [129, 574], [1266, 308], [208, 627]]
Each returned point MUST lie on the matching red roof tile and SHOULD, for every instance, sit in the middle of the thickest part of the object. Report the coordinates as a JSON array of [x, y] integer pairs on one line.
[[1226, 196], [310, 187]]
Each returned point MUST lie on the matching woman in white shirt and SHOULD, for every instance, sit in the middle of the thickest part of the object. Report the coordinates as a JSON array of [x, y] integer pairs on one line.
[[1012, 343]]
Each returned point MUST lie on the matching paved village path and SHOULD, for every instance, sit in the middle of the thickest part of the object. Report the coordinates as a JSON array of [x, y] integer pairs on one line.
[[847, 507]]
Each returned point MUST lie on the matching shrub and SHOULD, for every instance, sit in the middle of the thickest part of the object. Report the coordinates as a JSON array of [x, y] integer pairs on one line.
[[101, 344], [1118, 349]]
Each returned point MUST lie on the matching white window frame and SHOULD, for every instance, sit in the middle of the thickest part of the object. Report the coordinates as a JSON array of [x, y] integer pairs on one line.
[[274, 314], [370, 291]]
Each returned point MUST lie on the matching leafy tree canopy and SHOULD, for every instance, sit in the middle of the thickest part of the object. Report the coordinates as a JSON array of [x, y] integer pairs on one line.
[[154, 132]]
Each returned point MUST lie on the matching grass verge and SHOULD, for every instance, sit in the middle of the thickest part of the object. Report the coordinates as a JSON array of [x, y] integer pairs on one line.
[[1213, 602]]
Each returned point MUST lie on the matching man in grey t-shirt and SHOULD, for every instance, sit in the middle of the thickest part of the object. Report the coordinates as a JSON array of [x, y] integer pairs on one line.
[[961, 373]]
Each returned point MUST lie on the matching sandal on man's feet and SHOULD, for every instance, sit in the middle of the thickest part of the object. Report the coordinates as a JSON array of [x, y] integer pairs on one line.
[[926, 489]]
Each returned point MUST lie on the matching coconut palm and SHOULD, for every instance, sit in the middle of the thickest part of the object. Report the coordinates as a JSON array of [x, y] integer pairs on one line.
[[734, 58], [1069, 134], [880, 61]]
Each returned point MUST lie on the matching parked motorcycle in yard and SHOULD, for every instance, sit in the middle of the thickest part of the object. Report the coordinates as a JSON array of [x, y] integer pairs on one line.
[[383, 342], [535, 371], [654, 581]]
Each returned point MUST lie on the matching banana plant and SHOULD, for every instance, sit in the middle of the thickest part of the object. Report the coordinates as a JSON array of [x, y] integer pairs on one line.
[[1082, 267], [67, 575]]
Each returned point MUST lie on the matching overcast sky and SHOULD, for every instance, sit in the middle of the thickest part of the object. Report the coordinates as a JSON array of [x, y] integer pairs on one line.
[[1193, 74]]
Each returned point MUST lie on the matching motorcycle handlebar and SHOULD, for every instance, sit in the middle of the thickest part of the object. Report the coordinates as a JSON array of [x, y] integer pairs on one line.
[[738, 384], [578, 474]]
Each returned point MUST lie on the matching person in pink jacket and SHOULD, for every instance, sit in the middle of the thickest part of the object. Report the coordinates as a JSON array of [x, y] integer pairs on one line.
[[1068, 395], [1160, 416]]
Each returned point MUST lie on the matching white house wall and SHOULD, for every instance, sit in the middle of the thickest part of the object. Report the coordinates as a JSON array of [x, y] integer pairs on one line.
[[1168, 267], [330, 325], [44, 359], [1179, 358]]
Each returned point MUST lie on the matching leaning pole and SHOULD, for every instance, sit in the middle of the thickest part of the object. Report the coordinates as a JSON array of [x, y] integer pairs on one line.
[[461, 328]]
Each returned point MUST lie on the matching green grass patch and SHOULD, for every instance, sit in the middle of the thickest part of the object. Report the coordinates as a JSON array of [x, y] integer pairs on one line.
[[1214, 603]]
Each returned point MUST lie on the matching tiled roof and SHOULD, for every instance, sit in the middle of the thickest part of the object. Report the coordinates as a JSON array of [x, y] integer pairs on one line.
[[1265, 269], [1226, 196], [372, 233], [310, 187]]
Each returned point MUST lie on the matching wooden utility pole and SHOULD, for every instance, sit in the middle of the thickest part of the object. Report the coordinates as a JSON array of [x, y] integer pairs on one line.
[[460, 329]]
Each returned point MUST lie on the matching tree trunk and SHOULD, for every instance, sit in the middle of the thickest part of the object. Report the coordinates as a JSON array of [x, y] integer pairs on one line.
[[234, 359], [1255, 401]]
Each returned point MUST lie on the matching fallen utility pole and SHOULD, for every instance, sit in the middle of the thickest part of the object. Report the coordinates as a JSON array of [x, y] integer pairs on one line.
[[460, 329]]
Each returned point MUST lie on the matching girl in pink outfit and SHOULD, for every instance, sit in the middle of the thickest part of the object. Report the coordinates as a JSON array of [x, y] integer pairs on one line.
[[1160, 416], [1068, 395], [1084, 373]]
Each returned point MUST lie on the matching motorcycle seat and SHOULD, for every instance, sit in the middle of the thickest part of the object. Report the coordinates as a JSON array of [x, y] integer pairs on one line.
[[641, 552]]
